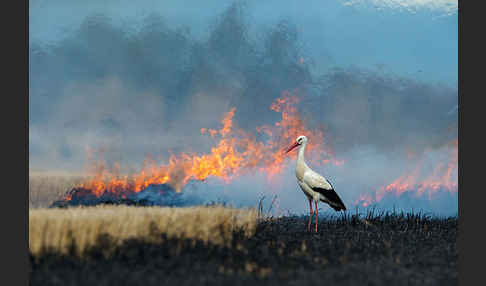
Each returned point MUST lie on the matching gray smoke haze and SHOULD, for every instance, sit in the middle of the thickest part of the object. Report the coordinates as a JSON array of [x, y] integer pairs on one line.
[[151, 90]]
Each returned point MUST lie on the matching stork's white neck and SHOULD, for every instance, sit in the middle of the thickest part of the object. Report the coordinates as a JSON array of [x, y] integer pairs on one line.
[[300, 157]]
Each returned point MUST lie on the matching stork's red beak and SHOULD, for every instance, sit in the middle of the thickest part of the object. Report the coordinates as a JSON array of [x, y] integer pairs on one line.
[[292, 147]]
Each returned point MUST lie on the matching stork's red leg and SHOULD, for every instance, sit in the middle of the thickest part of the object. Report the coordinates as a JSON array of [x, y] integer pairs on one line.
[[317, 214], [310, 216]]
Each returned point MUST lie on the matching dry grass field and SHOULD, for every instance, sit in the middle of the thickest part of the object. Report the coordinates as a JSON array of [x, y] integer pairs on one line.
[[215, 245], [59, 230]]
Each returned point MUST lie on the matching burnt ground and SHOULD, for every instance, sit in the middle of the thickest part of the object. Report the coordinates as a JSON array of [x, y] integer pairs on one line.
[[384, 249]]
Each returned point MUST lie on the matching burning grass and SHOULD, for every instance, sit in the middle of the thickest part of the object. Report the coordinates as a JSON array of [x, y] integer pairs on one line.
[[235, 152], [194, 246], [238, 152]]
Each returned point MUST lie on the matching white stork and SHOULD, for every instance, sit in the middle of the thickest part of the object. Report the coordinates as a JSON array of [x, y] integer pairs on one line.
[[314, 186]]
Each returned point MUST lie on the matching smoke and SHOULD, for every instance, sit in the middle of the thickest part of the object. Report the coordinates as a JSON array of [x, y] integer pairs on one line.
[[151, 90], [96, 85], [367, 108]]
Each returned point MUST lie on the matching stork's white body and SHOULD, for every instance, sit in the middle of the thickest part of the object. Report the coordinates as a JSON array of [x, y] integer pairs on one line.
[[315, 187], [309, 180]]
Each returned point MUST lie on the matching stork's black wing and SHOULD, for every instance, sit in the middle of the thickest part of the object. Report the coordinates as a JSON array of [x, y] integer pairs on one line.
[[334, 200]]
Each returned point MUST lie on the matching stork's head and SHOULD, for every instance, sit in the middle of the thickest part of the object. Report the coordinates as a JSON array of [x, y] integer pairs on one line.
[[299, 141]]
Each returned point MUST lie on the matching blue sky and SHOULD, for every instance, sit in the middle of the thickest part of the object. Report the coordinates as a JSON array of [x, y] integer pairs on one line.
[[416, 39]]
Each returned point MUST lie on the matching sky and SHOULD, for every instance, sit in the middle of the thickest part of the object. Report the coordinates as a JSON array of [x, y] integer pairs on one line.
[[143, 77]]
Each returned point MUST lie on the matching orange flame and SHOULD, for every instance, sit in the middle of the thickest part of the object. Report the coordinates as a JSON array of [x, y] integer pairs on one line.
[[442, 178], [236, 153]]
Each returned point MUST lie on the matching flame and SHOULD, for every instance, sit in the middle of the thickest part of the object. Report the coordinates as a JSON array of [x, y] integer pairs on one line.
[[443, 177], [237, 152]]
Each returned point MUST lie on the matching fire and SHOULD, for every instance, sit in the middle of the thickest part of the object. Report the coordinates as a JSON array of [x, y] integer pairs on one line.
[[236, 152], [443, 177]]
